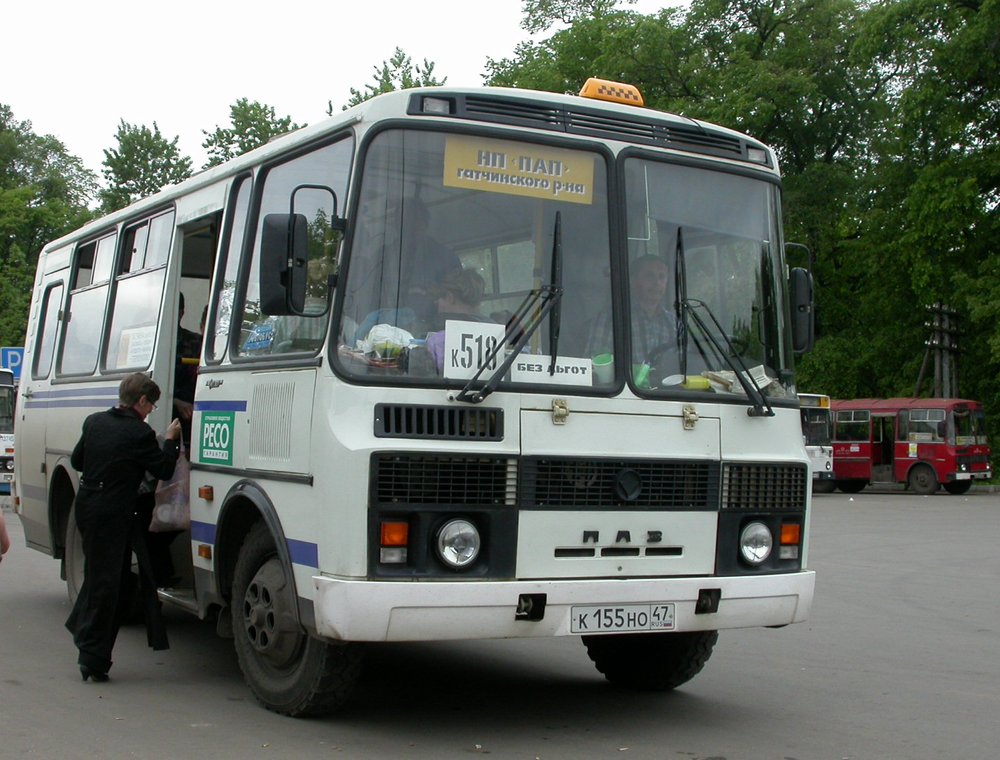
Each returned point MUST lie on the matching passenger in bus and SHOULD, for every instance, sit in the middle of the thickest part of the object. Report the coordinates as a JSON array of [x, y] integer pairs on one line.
[[427, 262], [653, 325], [457, 297], [114, 452]]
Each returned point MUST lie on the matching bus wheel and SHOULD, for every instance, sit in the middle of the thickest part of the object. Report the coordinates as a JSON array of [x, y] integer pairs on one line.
[[958, 487], [922, 480], [651, 661], [851, 486], [289, 671], [74, 557], [824, 486]]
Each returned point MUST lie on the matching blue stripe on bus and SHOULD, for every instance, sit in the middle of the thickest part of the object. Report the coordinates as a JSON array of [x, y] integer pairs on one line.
[[68, 403], [220, 406], [68, 398], [203, 532], [78, 392], [303, 552]]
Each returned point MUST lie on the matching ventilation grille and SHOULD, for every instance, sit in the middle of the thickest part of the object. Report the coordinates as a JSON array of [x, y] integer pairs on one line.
[[564, 483], [764, 487], [607, 125], [270, 434], [971, 459], [443, 480], [443, 423]]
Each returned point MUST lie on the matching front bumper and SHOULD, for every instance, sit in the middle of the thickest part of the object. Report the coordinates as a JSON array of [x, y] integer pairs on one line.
[[361, 610]]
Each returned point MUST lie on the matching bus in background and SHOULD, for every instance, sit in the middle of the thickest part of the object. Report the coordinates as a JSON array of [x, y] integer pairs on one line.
[[7, 396], [924, 443], [423, 410], [817, 433]]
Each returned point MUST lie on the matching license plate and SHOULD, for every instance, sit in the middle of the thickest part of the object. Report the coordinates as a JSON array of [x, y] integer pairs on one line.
[[604, 618], [6, 477]]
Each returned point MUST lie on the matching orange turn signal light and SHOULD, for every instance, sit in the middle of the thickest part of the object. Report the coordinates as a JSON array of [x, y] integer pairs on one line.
[[791, 534], [206, 492], [395, 533], [205, 551]]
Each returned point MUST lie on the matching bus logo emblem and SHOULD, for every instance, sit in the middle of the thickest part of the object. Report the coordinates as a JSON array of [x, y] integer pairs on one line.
[[216, 438]]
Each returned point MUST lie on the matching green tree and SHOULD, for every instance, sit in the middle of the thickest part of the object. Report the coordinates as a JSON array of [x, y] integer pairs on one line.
[[44, 192], [936, 183], [143, 163], [252, 124], [398, 73]]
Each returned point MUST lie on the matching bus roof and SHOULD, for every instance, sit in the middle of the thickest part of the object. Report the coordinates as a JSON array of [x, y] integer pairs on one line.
[[536, 112], [895, 404]]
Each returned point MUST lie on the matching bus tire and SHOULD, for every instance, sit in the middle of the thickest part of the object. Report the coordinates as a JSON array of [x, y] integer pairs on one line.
[[958, 487], [851, 486], [288, 671], [824, 486], [651, 661], [922, 480], [74, 557]]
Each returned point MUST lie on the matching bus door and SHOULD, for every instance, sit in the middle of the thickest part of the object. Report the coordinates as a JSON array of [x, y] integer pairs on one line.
[[34, 407], [883, 438]]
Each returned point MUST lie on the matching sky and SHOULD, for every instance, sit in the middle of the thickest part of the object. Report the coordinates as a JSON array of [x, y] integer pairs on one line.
[[75, 69]]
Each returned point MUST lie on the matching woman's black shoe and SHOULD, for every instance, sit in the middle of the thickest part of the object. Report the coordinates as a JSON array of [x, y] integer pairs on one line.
[[86, 673]]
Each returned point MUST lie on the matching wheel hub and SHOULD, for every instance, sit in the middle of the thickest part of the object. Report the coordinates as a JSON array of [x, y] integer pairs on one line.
[[268, 615]]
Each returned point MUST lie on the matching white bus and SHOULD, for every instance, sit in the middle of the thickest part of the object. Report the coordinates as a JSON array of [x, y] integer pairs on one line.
[[366, 467], [817, 433]]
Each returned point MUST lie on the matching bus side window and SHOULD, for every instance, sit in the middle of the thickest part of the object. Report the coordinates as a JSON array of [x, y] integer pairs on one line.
[[217, 332], [45, 341], [264, 334], [138, 291], [84, 321]]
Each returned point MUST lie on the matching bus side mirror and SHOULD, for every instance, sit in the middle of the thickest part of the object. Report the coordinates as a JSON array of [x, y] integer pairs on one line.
[[284, 256], [803, 314]]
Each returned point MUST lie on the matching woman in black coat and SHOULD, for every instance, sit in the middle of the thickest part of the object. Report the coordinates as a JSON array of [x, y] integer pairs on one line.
[[116, 449]]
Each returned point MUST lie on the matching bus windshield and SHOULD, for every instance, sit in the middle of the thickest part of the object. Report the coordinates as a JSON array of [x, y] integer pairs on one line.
[[717, 232], [6, 409], [817, 427], [453, 233], [970, 427]]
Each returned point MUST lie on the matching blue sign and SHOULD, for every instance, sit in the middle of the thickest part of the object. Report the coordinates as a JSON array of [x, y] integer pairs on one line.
[[11, 358]]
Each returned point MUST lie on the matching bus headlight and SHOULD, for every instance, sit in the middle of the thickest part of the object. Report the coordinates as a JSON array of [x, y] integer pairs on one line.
[[10, 464], [756, 542], [458, 543]]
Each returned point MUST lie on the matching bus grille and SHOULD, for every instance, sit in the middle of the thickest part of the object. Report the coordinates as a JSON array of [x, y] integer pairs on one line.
[[759, 487], [567, 483], [461, 481], [443, 423], [971, 459], [578, 483]]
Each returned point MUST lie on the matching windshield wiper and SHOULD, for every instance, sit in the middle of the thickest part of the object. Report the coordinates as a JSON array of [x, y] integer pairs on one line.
[[680, 300], [556, 285], [761, 407], [535, 307]]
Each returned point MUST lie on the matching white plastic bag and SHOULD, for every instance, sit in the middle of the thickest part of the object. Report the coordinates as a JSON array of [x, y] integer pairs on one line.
[[173, 503]]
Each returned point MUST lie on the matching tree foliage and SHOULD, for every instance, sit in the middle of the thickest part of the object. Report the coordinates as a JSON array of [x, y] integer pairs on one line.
[[398, 73], [143, 163], [252, 124], [44, 192]]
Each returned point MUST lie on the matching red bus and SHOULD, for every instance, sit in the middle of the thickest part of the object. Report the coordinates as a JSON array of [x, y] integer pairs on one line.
[[925, 443]]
